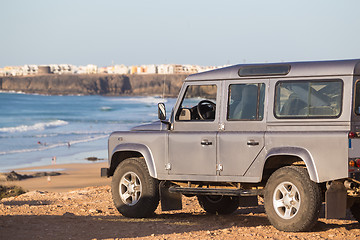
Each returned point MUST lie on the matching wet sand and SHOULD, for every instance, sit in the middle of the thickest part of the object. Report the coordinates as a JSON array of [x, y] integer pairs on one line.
[[73, 176]]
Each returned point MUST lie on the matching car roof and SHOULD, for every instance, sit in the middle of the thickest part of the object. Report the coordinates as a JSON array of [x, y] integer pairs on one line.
[[295, 69]]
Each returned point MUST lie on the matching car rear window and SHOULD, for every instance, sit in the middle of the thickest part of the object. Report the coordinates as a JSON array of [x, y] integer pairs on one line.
[[357, 98]]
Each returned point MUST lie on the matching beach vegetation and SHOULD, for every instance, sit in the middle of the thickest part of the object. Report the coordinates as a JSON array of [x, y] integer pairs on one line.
[[10, 191]]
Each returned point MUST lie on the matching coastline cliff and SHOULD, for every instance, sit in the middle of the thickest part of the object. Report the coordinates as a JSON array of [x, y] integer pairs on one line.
[[100, 84]]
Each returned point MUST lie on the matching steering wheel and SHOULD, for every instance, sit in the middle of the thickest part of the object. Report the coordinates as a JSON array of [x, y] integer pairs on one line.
[[200, 109]]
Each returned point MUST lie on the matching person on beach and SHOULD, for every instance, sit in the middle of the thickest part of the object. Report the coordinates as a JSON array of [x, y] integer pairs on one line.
[[53, 160]]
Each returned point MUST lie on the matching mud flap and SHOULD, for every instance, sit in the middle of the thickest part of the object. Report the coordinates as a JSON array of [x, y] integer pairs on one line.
[[169, 201], [104, 172], [335, 201]]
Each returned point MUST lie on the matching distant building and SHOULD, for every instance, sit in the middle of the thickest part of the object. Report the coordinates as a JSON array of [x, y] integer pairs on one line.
[[88, 69], [44, 70], [67, 69], [103, 70], [177, 69], [189, 69], [143, 69], [166, 68], [30, 69], [151, 69], [121, 69], [62, 68], [140, 70], [117, 69], [13, 71], [133, 69], [93, 69], [206, 68]]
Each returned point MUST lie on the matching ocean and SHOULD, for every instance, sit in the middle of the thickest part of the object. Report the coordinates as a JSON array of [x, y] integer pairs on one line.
[[37, 129]]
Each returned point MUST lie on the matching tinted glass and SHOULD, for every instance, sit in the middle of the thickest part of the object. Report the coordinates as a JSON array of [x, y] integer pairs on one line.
[[357, 98], [246, 102], [302, 99], [264, 70]]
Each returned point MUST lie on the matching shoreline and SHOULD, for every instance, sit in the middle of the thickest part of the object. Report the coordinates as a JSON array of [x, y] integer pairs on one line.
[[73, 176], [78, 153]]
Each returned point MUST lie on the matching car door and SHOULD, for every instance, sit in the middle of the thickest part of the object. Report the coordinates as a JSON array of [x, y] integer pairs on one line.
[[192, 139], [243, 121]]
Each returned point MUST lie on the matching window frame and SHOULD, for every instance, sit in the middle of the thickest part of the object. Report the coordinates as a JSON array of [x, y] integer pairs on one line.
[[308, 81]]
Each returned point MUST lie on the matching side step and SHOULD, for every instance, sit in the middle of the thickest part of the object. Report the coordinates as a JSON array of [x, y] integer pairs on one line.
[[216, 191]]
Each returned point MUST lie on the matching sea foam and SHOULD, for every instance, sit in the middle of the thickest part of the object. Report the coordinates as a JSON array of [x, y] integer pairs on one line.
[[37, 126], [146, 100], [42, 148]]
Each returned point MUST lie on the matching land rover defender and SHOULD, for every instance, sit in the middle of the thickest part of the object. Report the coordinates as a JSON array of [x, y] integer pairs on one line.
[[286, 132]]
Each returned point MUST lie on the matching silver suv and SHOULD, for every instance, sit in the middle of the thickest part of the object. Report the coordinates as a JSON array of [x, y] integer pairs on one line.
[[287, 132]]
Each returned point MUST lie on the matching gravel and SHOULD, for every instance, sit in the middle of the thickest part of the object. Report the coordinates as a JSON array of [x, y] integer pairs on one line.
[[89, 213]]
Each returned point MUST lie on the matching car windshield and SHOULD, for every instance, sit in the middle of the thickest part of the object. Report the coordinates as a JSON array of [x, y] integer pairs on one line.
[[199, 103], [196, 93]]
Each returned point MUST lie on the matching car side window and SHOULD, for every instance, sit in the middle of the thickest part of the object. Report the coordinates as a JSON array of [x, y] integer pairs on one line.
[[308, 99], [246, 102], [198, 104]]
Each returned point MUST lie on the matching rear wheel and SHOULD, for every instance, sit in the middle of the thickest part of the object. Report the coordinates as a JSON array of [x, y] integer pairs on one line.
[[218, 204], [292, 200], [134, 192]]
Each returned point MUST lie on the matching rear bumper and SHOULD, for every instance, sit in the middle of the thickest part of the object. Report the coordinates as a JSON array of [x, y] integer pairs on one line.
[[104, 172]]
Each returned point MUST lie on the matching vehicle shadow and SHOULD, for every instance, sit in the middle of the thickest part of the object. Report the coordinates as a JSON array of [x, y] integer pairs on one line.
[[71, 226], [322, 226]]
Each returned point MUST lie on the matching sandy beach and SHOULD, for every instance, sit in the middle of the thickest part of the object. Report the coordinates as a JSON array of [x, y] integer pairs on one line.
[[73, 176]]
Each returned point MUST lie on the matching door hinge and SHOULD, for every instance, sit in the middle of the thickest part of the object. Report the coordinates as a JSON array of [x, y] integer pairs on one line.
[[168, 166], [219, 167]]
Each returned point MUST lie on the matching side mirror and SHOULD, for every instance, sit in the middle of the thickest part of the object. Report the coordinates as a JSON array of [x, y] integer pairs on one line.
[[161, 111]]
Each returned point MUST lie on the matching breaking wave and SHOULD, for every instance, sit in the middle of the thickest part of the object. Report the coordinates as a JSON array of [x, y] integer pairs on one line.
[[37, 126], [146, 100]]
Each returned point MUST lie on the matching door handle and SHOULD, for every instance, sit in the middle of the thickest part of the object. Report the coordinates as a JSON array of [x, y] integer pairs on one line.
[[206, 143], [252, 143]]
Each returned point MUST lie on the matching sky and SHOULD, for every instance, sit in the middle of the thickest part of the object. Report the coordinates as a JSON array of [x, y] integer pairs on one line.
[[206, 33]]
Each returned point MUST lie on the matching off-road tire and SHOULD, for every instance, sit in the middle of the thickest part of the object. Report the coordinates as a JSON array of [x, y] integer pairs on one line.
[[355, 210], [218, 204], [133, 174], [297, 199]]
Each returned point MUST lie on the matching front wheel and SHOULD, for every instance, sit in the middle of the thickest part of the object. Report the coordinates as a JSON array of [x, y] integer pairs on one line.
[[292, 200], [134, 192], [218, 204]]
